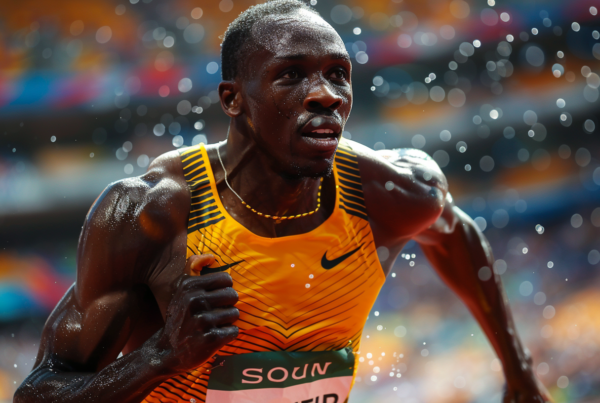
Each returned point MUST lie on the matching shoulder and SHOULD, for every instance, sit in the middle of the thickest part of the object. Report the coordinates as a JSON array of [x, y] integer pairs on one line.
[[157, 197], [130, 227], [392, 160], [404, 188]]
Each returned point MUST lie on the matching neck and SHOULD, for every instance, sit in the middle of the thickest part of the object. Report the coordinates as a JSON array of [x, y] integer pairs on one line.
[[252, 176]]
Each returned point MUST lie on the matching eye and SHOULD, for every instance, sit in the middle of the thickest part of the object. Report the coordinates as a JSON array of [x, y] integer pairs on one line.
[[338, 74], [291, 75]]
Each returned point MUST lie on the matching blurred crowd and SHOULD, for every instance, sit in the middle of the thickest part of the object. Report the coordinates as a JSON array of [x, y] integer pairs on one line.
[[502, 93]]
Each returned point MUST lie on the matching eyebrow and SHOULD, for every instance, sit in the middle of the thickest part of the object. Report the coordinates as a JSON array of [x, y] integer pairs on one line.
[[302, 56]]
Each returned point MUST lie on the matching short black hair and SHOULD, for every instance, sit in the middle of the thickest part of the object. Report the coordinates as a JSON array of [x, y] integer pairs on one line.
[[240, 31]]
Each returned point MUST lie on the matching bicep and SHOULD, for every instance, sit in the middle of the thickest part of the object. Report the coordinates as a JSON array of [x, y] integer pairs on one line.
[[91, 324], [126, 234]]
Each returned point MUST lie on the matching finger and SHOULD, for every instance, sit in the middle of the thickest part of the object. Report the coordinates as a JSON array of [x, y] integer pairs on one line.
[[222, 298], [219, 317], [225, 334], [195, 263], [204, 301], [208, 282]]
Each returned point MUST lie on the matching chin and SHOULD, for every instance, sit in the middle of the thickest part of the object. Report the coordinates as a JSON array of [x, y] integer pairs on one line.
[[313, 169], [321, 174]]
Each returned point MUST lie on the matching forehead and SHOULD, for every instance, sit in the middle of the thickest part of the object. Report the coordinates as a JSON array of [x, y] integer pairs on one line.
[[299, 33]]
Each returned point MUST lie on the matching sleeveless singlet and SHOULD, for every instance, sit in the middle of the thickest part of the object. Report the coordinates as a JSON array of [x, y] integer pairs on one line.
[[303, 299]]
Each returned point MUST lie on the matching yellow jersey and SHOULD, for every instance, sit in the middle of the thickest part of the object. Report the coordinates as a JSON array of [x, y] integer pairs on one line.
[[303, 299]]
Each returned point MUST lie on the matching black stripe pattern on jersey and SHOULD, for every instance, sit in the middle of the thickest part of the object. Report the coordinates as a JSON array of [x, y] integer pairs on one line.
[[203, 210], [352, 199]]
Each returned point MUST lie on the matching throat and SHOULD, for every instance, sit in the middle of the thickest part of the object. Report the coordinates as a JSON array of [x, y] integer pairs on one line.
[[279, 205], [271, 200], [283, 201]]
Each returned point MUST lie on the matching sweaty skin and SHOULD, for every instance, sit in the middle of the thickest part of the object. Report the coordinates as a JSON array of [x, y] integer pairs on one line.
[[288, 106]]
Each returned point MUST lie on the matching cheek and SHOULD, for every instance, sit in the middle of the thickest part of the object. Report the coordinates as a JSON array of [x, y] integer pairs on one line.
[[346, 95], [272, 110], [289, 102]]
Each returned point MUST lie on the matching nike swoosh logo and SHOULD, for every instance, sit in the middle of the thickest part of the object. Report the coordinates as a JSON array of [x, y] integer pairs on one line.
[[209, 270], [330, 264]]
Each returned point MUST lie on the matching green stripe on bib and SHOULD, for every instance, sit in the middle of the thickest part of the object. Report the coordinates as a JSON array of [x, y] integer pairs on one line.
[[279, 369]]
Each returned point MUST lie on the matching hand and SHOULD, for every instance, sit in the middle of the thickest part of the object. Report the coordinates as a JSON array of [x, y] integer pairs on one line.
[[196, 263], [199, 317], [535, 392]]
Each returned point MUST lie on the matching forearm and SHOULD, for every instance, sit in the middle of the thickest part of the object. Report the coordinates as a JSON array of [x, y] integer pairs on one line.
[[459, 259], [128, 379]]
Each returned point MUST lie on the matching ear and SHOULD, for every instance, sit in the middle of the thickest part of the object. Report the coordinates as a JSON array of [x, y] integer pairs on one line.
[[231, 98]]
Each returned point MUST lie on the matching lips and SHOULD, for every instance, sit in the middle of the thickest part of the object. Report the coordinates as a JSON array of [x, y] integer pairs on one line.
[[322, 128], [321, 134]]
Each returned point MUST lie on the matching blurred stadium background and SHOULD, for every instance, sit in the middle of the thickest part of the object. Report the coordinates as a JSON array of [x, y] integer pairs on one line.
[[504, 95]]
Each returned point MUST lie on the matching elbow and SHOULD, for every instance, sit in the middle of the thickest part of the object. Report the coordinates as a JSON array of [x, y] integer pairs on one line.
[[434, 204], [34, 388], [23, 393], [435, 197]]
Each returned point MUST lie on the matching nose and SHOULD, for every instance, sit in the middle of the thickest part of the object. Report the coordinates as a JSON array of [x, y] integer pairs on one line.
[[321, 97]]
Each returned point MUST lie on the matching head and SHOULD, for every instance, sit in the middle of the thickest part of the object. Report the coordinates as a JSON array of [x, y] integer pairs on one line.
[[287, 86]]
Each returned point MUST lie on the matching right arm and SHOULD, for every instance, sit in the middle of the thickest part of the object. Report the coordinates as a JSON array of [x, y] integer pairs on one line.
[[56, 379], [133, 241]]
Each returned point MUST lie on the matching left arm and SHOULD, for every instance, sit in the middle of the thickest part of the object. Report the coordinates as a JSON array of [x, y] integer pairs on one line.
[[463, 258], [407, 197]]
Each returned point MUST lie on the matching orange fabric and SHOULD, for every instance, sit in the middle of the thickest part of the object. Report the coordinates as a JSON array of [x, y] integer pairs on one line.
[[288, 300]]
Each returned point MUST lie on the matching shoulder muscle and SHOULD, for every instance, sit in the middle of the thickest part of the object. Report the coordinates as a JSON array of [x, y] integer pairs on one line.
[[404, 189], [129, 224]]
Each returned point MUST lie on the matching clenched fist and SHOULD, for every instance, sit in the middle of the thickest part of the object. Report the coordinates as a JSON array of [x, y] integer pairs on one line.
[[199, 319]]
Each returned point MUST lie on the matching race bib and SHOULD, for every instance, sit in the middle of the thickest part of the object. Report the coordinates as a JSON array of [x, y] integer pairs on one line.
[[282, 377]]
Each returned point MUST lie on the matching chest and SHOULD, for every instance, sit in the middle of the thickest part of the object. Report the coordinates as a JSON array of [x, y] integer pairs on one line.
[[294, 287]]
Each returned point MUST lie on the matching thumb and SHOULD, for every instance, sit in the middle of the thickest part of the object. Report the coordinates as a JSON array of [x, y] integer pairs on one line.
[[195, 263]]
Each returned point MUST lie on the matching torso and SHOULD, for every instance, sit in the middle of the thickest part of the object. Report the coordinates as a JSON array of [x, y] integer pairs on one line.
[[296, 292]]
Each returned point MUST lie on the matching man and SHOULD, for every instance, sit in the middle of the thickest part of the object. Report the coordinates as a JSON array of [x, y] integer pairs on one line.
[[284, 214]]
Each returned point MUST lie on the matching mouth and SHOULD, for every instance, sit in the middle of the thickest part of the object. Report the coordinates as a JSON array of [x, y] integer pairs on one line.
[[321, 134], [322, 128]]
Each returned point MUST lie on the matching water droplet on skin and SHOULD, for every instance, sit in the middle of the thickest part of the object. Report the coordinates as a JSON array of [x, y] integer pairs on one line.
[[317, 122]]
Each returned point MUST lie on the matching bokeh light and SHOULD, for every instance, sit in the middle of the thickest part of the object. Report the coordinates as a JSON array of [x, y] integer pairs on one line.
[[502, 95]]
